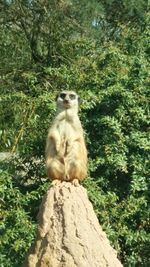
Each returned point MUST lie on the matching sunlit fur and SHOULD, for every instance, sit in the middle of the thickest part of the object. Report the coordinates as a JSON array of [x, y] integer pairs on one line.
[[66, 154]]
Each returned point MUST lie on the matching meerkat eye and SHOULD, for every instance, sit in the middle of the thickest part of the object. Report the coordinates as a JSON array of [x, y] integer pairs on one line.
[[62, 95], [72, 96]]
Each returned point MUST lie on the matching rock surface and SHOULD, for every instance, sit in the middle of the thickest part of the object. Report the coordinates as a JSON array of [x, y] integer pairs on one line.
[[69, 234]]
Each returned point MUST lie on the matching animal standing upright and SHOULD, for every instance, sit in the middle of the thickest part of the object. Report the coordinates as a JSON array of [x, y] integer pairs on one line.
[[66, 154]]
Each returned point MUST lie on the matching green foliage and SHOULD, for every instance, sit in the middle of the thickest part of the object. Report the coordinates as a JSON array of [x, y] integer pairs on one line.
[[110, 71], [19, 206]]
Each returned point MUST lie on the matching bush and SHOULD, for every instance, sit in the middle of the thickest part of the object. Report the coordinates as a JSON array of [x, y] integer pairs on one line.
[[112, 80]]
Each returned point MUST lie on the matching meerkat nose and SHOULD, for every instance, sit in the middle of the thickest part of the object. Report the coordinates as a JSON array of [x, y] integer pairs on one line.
[[66, 101]]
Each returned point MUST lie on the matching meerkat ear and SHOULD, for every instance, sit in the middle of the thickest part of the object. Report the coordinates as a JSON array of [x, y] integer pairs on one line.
[[56, 97], [79, 100]]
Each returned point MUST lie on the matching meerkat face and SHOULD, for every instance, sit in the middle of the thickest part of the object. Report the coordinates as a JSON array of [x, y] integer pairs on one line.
[[67, 99]]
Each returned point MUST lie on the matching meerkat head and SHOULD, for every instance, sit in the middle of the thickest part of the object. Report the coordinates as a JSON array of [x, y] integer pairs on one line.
[[67, 100]]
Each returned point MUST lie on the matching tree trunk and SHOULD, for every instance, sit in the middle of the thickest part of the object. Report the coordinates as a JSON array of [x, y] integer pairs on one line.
[[69, 234]]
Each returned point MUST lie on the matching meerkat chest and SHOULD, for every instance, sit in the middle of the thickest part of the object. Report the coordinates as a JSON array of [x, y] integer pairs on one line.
[[66, 130]]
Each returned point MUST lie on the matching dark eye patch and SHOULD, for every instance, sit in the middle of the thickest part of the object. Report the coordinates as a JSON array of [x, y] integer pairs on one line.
[[72, 96], [62, 95]]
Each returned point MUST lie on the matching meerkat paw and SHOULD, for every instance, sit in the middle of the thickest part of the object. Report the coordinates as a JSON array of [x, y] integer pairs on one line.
[[57, 147], [56, 182], [75, 182]]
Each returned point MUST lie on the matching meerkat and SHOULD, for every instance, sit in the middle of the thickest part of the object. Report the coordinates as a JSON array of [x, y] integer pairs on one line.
[[66, 154]]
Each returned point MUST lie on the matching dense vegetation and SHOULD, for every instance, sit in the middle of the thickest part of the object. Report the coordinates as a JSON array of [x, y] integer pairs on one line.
[[101, 50]]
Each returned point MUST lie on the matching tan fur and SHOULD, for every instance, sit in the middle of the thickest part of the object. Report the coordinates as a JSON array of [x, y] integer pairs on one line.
[[66, 154]]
